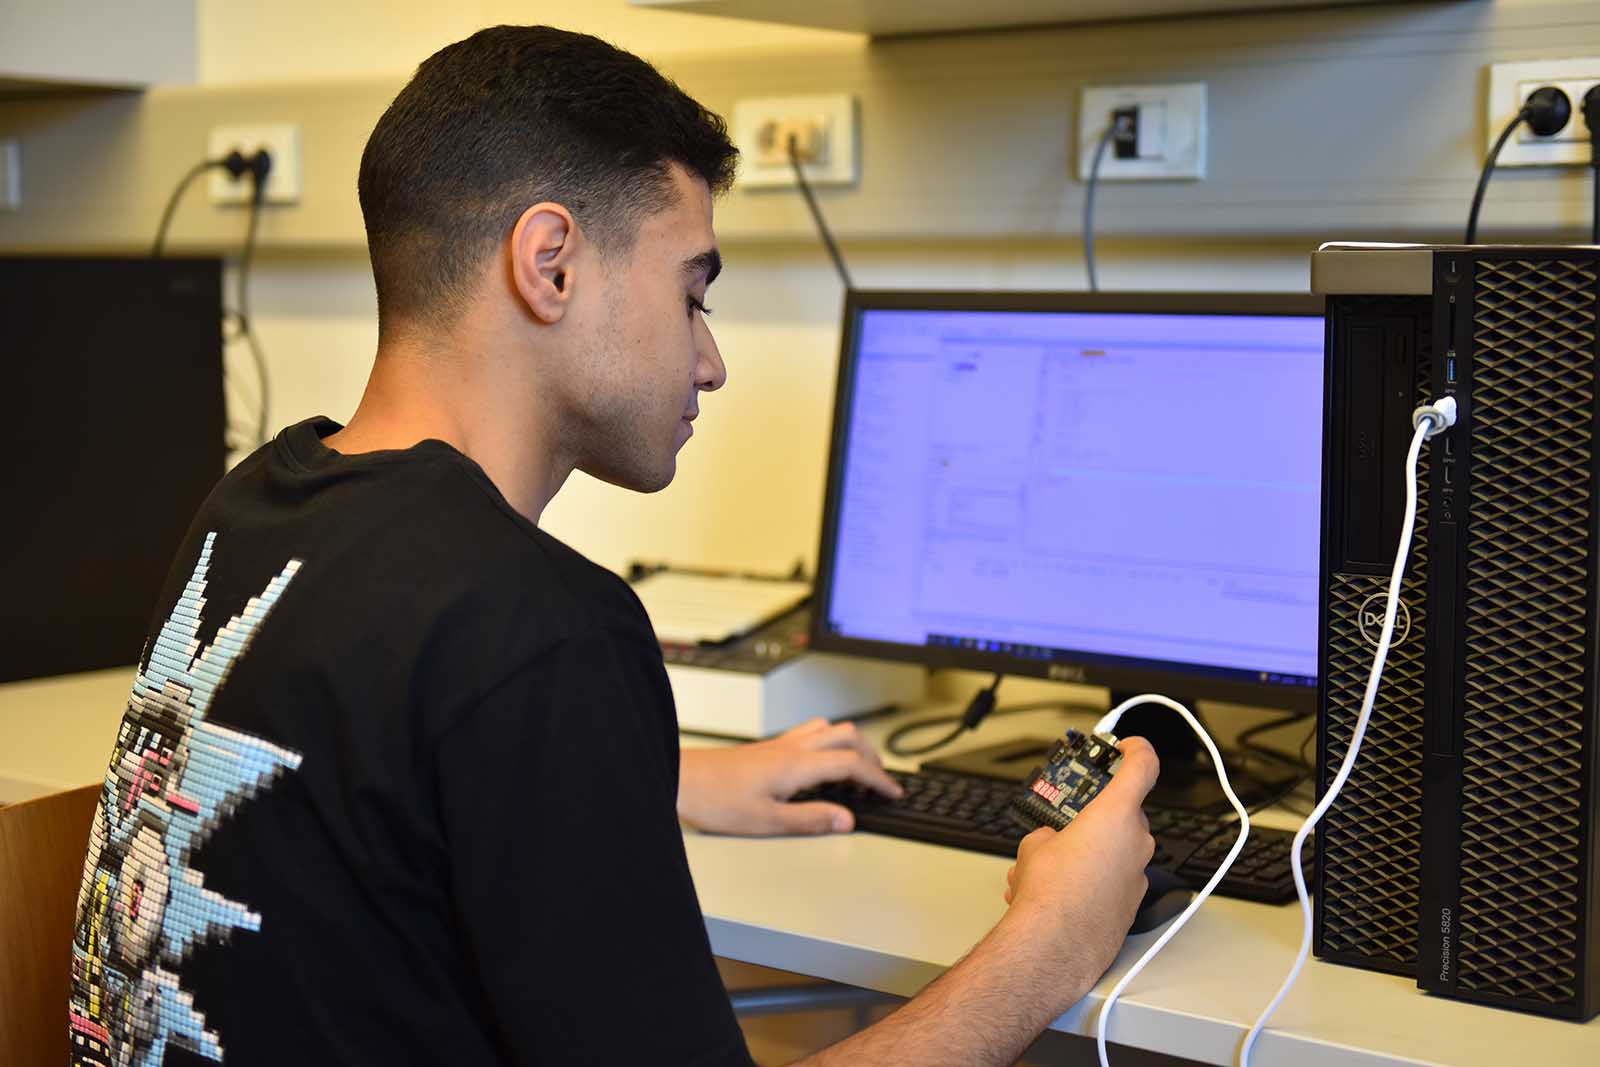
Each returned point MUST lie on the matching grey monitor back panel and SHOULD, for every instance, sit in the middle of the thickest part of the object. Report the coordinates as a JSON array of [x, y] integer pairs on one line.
[[113, 432]]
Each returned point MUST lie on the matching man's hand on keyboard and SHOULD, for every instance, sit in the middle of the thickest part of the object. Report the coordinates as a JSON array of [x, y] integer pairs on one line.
[[745, 789], [1087, 880]]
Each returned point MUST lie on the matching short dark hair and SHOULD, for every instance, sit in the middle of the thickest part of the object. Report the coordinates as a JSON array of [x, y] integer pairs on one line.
[[509, 117]]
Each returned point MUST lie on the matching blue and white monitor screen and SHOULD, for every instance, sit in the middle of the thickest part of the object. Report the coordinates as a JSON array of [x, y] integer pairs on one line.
[[1127, 489]]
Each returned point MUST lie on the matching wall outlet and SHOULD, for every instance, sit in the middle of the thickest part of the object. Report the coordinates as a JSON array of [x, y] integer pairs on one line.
[[1509, 86], [10, 174], [1170, 137], [283, 181], [824, 129]]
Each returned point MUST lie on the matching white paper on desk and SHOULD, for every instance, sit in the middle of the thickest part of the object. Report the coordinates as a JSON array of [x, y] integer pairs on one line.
[[686, 609]]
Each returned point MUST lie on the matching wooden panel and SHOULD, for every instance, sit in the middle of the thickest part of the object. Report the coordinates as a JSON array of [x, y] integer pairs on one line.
[[42, 845]]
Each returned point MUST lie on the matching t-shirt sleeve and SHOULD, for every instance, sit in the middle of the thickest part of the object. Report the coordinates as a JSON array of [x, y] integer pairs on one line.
[[567, 867]]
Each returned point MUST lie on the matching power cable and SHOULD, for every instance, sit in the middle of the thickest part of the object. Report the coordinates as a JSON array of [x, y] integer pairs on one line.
[[1546, 112], [793, 147]]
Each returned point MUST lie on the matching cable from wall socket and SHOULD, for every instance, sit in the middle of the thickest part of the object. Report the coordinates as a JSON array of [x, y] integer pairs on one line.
[[793, 148], [260, 167], [1088, 206], [234, 163], [1429, 420], [1546, 111]]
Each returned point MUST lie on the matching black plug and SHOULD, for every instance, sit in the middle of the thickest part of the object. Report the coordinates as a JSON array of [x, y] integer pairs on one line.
[[1547, 111], [257, 164], [1125, 131], [1591, 117], [982, 704], [260, 164]]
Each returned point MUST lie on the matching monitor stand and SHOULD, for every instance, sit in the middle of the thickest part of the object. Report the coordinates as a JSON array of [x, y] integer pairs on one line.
[[1187, 781]]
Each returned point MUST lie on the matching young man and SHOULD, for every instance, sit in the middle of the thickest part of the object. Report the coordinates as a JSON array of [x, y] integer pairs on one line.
[[399, 779]]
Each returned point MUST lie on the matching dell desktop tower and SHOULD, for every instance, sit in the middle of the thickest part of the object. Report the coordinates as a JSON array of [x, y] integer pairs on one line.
[[1501, 654]]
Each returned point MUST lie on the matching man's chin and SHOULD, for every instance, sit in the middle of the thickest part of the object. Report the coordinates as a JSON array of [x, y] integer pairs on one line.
[[637, 479]]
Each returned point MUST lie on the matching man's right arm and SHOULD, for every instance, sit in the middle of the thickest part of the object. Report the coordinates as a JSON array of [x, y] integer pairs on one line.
[[1073, 896]]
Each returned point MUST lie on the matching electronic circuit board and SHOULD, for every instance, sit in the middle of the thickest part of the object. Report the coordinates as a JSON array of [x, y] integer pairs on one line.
[[1078, 767]]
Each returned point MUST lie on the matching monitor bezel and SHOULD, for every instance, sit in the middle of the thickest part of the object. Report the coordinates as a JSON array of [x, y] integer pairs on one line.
[[1118, 677]]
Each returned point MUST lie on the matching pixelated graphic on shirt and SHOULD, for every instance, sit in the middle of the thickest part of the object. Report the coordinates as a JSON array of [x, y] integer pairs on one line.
[[174, 778]]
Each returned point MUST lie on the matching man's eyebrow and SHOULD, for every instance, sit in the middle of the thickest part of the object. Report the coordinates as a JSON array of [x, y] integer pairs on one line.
[[708, 263]]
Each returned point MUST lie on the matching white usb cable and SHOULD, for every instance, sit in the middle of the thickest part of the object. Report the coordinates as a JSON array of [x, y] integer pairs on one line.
[[1108, 725], [1429, 420]]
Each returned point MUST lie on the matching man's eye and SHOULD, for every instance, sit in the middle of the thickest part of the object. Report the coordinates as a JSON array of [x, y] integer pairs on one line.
[[695, 305]]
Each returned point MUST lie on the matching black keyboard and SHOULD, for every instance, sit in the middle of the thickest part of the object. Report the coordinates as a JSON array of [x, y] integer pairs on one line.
[[975, 814]]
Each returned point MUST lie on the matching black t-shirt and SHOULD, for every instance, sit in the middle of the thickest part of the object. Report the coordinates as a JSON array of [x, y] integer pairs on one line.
[[397, 784]]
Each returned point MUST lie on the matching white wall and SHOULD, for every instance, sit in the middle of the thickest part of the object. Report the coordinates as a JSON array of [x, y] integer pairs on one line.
[[287, 40], [749, 488]]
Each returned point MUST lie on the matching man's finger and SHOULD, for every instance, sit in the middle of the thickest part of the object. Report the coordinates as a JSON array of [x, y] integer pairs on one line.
[[814, 817], [838, 765], [844, 735], [1034, 840], [1137, 774]]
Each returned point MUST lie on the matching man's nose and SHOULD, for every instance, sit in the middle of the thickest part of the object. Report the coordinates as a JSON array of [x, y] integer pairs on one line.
[[713, 373]]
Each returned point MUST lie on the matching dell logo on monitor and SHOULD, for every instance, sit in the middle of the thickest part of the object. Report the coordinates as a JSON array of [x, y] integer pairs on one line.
[[1060, 672], [1370, 619]]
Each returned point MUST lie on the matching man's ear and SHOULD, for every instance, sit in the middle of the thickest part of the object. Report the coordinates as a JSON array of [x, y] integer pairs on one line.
[[545, 247]]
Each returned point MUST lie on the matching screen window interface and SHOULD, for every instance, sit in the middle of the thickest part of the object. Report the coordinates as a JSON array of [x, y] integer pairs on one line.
[[1136, 490]]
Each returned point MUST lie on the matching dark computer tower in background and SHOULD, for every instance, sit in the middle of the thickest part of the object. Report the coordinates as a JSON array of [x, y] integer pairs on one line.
[[1508, 911], [112, 431], [1368, 845]]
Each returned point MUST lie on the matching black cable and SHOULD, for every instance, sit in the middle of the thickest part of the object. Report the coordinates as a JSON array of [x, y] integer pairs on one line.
[[234, 163], [891, 744], [1546, 111], [1088, 207], [1245, 736], [1594, 233], [172, 202], [1488, 169], [816, 213], [258, 193], [258, 166]]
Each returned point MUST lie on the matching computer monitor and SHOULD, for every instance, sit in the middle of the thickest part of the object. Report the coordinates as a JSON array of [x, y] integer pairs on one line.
[[114, 431], [1121, 490]]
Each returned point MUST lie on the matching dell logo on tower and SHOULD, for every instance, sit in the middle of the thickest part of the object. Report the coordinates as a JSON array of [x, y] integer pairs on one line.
[[1369, 617]]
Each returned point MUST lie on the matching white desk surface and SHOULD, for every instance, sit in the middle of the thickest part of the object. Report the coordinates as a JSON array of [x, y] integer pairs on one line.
[[57, 733], [892, 915]]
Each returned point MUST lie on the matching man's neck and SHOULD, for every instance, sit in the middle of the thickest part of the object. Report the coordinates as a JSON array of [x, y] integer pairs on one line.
[[442, 391]]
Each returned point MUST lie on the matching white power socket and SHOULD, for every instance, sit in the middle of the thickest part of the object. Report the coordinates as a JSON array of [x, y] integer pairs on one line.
[[1172, 131], [283, 180], [1509, 86], [824, 130]]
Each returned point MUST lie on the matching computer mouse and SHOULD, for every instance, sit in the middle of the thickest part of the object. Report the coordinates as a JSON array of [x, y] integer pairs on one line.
[[1166, 897]]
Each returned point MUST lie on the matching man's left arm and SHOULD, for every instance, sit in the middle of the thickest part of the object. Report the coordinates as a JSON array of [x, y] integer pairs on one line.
[[745, 789]]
